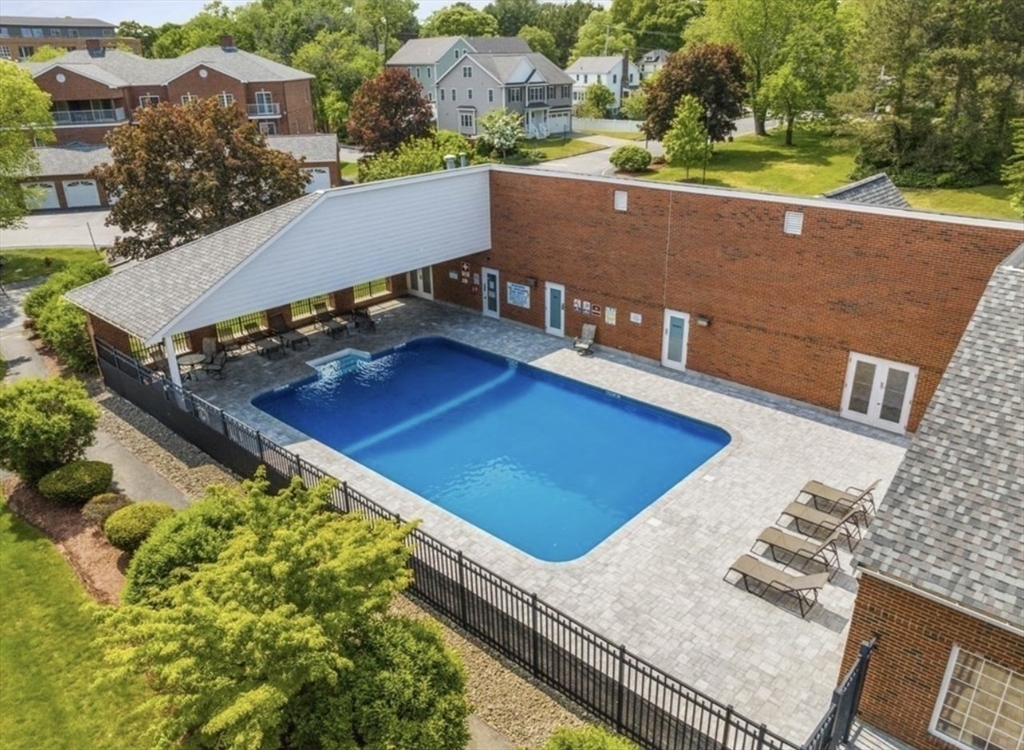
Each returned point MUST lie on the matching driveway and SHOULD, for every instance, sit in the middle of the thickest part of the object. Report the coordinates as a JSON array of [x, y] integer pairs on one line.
[[61, 229]]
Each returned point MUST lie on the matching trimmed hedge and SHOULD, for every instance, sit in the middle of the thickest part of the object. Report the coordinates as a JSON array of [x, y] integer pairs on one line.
[[101, 507], [129, 527], [630, 158], [61, 282], [77, 482], [62, 326]]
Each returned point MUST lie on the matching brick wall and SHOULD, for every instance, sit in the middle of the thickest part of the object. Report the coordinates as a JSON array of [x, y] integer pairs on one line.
[[111, 334], [785, 311], [906, 671]]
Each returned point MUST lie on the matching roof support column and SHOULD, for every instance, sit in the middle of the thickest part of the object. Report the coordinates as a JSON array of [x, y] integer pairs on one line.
[[172, 360]]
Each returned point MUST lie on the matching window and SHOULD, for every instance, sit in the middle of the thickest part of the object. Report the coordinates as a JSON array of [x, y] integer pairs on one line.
[[442, 94], [979, 707], [793, 223], [585, 77], [428, 72], [25, 51], [55, 32], [149, 100], [430, 96], [536, 93], [454, 93], [466, 121], [268, 128], [565, 91], [630, 77], [4, 31], [615, 77], [305, 307], [515, 95], [469, 94], [417, 72], [456, 54], [226, 99], [36, 32], [188, 98], [5, 52], [490, 95], [467, 71], [73, 33], [551, 92], [370, 289], [621, 200]]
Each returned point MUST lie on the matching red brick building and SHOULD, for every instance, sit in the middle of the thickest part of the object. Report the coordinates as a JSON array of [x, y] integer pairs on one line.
[[22, 36]]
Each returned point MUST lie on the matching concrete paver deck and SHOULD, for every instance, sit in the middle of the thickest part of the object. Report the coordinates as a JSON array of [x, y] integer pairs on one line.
[[655, 584]]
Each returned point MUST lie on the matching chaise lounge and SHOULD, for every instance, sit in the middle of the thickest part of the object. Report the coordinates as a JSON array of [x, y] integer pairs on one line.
[[327, 321], [791, 547], [819, 521], [288, 336], [584, 343], [831, 499], [804, 588]]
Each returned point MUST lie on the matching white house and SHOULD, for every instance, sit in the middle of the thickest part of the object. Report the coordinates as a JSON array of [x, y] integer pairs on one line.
[[617, 72], [652, 62]]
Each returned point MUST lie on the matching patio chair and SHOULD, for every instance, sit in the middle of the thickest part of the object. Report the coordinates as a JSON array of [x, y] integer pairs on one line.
[[804, 588], [290, 337], [215, 367], [778, 541], [584, 343], [328, 323], [363, 320], [251, 333], [819, 521], [832, 499]]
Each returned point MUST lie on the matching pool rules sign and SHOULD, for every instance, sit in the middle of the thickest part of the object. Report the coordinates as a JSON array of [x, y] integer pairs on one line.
[[519, 295]]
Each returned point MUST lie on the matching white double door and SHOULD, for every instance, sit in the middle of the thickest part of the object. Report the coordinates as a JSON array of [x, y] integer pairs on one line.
[[878, 392]]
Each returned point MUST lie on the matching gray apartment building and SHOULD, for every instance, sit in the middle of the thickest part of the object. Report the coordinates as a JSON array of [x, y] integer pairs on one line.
[[21, 36]]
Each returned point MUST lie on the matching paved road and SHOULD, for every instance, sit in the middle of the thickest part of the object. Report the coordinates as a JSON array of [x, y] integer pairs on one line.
[[61, 229]]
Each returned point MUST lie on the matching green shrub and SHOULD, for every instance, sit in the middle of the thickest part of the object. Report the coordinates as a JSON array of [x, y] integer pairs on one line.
[[44, 424], [587, 738], [630, 158], [62, 326], [61, 282], [101, 507], [129, 527], [77, 482]]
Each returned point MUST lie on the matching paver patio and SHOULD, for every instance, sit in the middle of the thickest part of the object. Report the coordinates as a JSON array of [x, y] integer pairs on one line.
[[656, 584]]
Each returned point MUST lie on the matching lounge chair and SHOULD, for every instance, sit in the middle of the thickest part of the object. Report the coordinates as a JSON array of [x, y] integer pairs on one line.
[[584, 343], [819, 521], [832, 499], [251, 333], [328, 323], [286, 334], [778, 541], [804, 588], [363, 320]]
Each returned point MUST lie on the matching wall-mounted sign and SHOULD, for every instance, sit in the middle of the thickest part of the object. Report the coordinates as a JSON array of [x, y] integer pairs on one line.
[[453, 274], [577, 305], [465, 267], [595, 309], [519, 295], [609, 315], [636, 318], [586, 308], [476, 279]]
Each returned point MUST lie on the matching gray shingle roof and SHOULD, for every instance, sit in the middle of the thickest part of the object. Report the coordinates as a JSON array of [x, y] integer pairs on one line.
[[499, 45], [62, 22], [656, 55], [877, 190], [423, 51], [503, 66], [320, 147], [952, 523], [595, 65], [143, 298]]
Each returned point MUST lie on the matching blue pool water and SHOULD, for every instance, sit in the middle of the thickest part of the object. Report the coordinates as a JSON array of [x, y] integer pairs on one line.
[[550, 465]]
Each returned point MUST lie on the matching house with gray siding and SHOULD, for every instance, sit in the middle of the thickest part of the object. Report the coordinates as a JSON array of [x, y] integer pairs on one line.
[[652, 62], [617, 72], [529, 84]]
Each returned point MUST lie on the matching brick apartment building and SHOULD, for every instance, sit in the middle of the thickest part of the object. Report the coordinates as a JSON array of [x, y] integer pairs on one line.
[[21, 36]]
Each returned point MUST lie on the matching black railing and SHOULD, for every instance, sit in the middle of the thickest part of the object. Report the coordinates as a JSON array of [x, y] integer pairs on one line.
[[834, 728], [634, 697]]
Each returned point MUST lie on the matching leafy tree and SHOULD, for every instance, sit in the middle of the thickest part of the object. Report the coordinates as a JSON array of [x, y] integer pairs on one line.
[[564, 22], [502, 131], [686, 142], [540, 40], [713, 73], [513, 15], [24, 116], [46, 53], [379, 22], [202, 30], [1013, 170], [341, 64], [144, 33], [600, 35], [387, 110], [656, 23], [44, 424], [182, 172], [415, 156], [459, 19], [598, 99], [286, 640], [634, 106], [280, 28]]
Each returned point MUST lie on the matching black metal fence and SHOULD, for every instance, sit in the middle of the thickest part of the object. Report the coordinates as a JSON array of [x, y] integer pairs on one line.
[[834, 728], [636, 698]]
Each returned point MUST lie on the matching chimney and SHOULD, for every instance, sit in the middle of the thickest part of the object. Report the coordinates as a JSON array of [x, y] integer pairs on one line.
[[624, 78], [94, 48], [227, 43]]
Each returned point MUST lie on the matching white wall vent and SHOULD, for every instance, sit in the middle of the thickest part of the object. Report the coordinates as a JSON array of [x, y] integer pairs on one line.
[[794, 223], [621, 200]]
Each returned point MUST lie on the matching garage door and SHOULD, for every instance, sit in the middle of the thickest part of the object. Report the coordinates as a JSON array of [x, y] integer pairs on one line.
[[45, 196], [557, 124], [79, 193], [320, 179]]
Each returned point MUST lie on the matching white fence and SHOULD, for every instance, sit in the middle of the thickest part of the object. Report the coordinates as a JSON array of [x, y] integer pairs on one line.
[[615, 126]]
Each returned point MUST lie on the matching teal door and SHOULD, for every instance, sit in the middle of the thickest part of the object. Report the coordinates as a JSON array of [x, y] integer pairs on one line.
[[675, 334]]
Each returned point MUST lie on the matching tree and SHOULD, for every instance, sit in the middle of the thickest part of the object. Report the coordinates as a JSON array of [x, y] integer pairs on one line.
[[513, 15], [144, 33], [182, 172], [378, 22], [502, 130], [600, 35], [634, 106], [564, 22], [280, 28], [44, 424], [459, 19], [286, 639], [713, 73], [657, 24], [202, 30], [341, 64], [415, 156], [24, 117], [1013, 170], [46, 53], [540, 40], [387, 110], [686, 142], [598, 99]]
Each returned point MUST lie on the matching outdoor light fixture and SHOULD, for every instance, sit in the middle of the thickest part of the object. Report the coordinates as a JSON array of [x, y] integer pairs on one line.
[[703, 321]]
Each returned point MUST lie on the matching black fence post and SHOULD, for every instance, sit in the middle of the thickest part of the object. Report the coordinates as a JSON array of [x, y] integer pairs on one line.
[[621, 693], [760, 736], [728, 726], [344, 495], [259, 445], [863, 659], [462, 588], [535, 634]]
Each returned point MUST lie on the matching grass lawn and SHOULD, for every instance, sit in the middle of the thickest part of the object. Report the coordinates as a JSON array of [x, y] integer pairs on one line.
[[816, 164], [633, 136], [349, 170], [31, 263], [48, 655], [553, 148]]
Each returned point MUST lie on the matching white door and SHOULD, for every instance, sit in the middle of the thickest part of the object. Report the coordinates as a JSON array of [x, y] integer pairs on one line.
[[320, 179], [81, 193], [673, 345], [492, 293], [421, 283], [554, 310], [878, 392], [43, 196]]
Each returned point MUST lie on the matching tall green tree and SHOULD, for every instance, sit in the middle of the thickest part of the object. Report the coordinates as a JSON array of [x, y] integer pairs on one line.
[[1013, 169], [341, 63], [379, 22], [144, 33], [286, 640], [598, 99], [513, 15], [686, 142], [600, 35], [388, 110], [564, 21], [459, 19], [182, 172], [24, 117], [540, 40], [280, 28], [656, 24], [713, 74], [202, 30]]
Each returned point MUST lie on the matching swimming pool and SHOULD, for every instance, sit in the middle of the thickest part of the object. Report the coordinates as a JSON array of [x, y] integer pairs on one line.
[[548, 464]]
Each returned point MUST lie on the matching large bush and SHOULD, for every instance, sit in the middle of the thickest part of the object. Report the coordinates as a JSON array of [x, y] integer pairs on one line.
[[63, 327], [77, 482], [630, 158], [44, 424], [104, 505], [587, 738], [61, 282], [129, 527]]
